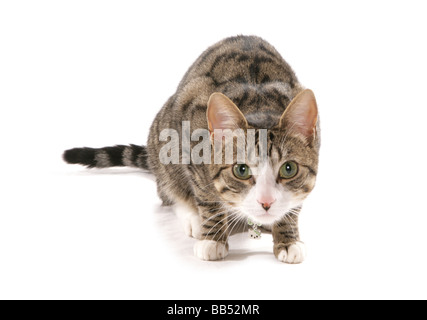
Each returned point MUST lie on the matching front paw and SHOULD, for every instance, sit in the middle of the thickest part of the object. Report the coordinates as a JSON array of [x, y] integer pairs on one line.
[[293, 254], [210, 250], [190, 220], [192, 226]]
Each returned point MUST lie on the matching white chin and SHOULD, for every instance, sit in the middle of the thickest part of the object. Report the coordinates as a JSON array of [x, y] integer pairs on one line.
[[265, 219]]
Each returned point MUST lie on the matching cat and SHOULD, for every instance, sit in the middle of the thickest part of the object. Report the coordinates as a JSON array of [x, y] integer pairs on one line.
[[242, 83]]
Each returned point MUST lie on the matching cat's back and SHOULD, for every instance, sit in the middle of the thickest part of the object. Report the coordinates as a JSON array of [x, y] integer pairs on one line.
[[248, 70], [242, 59]]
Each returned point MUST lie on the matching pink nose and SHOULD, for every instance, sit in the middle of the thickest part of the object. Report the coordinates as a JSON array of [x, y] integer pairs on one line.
[[266, 203]]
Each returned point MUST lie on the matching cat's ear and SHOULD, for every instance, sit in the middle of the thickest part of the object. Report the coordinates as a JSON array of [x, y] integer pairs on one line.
[[301, 115], [223, 114]]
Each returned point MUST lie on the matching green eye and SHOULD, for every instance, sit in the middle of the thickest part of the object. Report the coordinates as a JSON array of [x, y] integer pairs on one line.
[[242, 171], [288, 170]]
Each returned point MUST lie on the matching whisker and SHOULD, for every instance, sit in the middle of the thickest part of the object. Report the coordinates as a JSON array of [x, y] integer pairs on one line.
[[223, 219], [227, 224], [233, 223]]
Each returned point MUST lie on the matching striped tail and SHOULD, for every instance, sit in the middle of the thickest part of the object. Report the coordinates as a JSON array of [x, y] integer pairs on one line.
[[117, 156]]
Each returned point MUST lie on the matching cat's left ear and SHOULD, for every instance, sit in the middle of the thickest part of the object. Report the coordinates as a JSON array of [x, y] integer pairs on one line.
[[223, 114], [301, 115]]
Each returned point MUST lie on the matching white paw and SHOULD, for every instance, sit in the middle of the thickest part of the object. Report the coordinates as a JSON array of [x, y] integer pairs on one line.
[[210, 250], [192, 226], [294, 254], [190, 220]]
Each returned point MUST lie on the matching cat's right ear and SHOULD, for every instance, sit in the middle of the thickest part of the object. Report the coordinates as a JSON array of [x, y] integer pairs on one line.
[[223, 114]]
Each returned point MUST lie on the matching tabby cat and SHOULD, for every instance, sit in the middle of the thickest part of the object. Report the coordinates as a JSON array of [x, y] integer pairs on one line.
[[239, 83]]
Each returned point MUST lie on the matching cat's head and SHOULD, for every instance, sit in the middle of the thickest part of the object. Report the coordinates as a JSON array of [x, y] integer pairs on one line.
[[269, 188]]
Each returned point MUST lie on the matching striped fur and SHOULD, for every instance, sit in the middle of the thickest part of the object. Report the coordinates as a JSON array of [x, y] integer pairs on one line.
[[117, 156], [262, 85]]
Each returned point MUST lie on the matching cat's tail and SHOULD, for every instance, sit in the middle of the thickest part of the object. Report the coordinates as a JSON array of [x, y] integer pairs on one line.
[[117, 156]]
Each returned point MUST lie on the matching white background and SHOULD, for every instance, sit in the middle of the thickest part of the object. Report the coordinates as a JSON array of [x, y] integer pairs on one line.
[[95, 73]]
